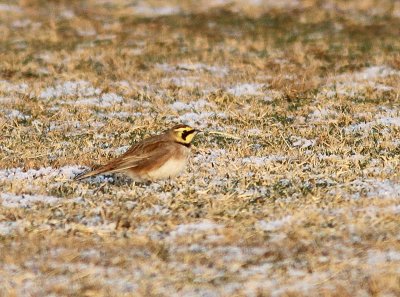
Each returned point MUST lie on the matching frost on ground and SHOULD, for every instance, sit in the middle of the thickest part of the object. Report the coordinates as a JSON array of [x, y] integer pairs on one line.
[[303, 200], [12, 174], [246, 89], [24, 200], [70, 88]]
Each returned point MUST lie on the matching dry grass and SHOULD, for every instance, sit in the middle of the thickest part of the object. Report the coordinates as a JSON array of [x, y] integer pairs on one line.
[[305, 203]]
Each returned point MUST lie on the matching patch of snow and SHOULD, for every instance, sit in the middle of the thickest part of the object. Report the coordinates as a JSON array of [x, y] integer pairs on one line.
[[375, 72], [389, 121], [185, 81], [105, 100], [322, 114], [9, 8], [369, 188], [194, 105], [77, 125], [376, 257], [305, 284], [70, 88], [67, 172], [5, 100], [119, 115], [16, 114], [366, 127], [328, 157], [247, 89], [67, 14], [165, 67], [211, 156], [7, 228], [302, 142], [8, 87], [11, 200], [271, 95], [254, 132], [260, 161], [351, 88], [157, 210], [383, 189], [199, 119], [23, 23], [121, 150], [193, 228], [86, 32], [45, 56], [149, 11], [273, 225]]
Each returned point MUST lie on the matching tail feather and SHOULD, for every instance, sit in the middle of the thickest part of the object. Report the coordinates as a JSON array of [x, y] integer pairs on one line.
[[86, 174]]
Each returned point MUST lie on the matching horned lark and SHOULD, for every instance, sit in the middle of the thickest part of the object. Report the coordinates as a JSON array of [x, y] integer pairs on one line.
[[157, 157]]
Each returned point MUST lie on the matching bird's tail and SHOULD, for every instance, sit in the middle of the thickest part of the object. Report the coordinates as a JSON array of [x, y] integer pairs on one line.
[[86, 174]]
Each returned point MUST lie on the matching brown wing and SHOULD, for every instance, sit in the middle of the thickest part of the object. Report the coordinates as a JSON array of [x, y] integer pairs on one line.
[[138, 155]]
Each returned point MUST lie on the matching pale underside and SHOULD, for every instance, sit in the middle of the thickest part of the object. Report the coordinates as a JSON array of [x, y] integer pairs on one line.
[[171, 168]]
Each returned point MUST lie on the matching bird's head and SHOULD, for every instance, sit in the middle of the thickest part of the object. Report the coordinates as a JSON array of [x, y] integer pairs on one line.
[[183, 133]]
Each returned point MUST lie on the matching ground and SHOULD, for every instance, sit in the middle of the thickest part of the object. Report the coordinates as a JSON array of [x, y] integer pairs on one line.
[[304, 201]]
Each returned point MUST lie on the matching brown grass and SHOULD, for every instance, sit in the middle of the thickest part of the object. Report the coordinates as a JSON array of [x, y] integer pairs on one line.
[[306, 203]]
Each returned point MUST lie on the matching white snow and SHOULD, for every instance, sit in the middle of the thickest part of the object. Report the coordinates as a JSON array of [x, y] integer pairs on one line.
[[67, 14], [165, 67], [16, 114], [121, 150], [119, 115], [199, 119], [381, 119], [79, 88], [7, 228], [86, 32], [5, 100], [273, 225], [67, 172], [76, 126], [376, 257], [352, 84], [9, 8], [367, 74], [211, 156], [375, 72], [24, 200], [246, 89], [302, 142], [322, 114], [382, 189], [369, 188], [254, 132], [149, 11], [21, 23], [271, 95], [105, 100], [260, 161], [194, 105], [184, 81], [8, 87], [192, 228]]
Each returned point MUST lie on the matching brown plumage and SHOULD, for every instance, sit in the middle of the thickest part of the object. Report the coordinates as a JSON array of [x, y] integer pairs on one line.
[[157, 157]]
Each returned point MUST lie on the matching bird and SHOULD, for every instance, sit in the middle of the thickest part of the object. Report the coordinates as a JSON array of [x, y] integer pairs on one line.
[[154, 158]]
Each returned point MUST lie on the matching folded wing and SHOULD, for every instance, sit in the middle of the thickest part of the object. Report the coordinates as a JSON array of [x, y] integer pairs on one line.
[[137, 156]]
